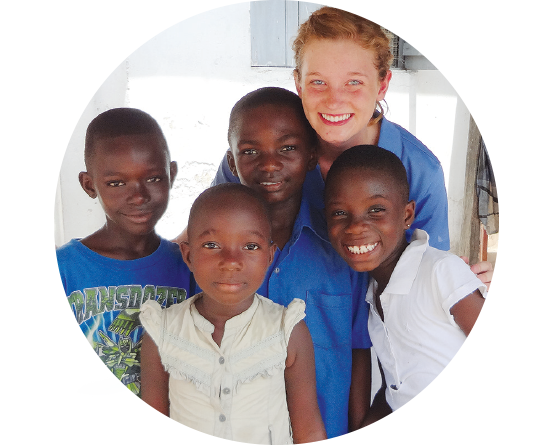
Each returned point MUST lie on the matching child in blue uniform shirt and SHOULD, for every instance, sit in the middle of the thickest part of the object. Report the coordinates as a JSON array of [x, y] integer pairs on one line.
[[272, 149], [110, 273]]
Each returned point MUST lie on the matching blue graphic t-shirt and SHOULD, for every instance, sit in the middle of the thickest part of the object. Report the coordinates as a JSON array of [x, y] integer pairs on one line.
[[105, 295]]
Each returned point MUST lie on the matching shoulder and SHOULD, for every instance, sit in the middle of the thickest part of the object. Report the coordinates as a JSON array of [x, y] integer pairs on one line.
[[168, 255], [170, 249], [72, 248], [405, 145], [450, 276]]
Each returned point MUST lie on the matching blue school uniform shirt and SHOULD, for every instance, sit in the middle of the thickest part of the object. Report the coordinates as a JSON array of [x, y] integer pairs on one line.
[[105, 296], [424, 174], [336, 312]]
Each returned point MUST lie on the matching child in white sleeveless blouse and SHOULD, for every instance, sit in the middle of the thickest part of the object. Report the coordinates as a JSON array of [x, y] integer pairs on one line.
[[227, 361]]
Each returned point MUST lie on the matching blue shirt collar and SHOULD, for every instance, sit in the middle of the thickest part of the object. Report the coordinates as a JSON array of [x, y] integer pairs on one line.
[[390, 137], [309, 217]]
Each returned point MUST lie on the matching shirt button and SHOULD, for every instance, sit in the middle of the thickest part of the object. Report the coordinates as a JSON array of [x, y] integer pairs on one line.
[[222, 418], [226, 391], [221, 360], [277, 270]]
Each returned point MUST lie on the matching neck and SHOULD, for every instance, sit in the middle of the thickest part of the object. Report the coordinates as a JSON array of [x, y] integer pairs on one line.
[[283, 216], [121, 245], [329, 151]]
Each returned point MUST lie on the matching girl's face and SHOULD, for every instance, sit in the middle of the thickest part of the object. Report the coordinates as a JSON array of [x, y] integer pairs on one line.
[[339, 88], [229, 251], [367, 219], [271, 152]]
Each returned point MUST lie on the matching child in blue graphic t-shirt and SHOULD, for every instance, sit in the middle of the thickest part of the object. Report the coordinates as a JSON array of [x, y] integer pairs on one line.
[[110, 273]]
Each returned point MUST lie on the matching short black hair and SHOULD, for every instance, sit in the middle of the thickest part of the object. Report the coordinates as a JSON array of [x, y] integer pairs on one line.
[[216, 195], [370, 157], [271, 96], [119, 122]]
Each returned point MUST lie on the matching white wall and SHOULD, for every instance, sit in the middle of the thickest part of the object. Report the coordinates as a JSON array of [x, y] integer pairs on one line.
[[189, 77]]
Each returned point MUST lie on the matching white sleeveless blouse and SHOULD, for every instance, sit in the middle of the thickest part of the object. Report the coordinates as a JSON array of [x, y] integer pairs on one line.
[[236, 391]]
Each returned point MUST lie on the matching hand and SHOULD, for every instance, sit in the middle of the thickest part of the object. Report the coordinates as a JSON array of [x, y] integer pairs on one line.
[[483, 270]]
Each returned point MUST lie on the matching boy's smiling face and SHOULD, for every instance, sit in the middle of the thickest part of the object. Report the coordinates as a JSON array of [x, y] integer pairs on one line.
[[271, 152], [131, 176], [367, 218]]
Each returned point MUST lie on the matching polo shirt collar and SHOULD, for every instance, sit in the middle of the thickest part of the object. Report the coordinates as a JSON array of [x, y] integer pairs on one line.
[[390, 137], [311, 218], [407, 267]]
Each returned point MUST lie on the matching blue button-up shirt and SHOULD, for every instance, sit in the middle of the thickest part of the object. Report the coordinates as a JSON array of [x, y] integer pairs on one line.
[[336, 313]]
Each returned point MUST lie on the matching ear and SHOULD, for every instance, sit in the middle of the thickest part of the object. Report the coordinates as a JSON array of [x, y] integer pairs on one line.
[[272, 251], [87, 183], [313, 160], [173, 170], [384, 84], [409, 214], [232, 163], [297, 82], [185, 252]]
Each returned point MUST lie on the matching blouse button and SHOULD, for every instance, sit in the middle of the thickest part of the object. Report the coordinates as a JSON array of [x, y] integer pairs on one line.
[[222, 418], [226, 391], [221, 360]]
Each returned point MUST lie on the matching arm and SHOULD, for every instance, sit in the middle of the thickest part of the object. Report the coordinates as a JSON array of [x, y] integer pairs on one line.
[[361, 411], [154, 379], [466, 311], [301, 391], [483, 270], [360, 390]]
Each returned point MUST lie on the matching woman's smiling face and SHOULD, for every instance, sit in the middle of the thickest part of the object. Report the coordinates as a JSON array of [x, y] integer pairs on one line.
[[339, 86]]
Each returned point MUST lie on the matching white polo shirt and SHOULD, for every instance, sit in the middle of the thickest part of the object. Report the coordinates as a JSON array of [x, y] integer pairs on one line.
[[419, 336]]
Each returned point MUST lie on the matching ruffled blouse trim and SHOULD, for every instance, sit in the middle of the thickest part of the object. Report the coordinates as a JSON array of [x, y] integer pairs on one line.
[[181, 370]]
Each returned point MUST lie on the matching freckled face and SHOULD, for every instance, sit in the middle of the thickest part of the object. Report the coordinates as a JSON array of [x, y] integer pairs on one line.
[[367, 219], [271, 152], [132, 177], [339, 87], [229, 251]]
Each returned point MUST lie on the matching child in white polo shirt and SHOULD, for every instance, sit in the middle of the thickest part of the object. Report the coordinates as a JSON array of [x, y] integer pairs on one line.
[[423, 301]]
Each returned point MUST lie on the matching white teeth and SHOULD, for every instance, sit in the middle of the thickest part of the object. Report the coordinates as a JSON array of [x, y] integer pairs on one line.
[[269, 183], [362, 249], [336, 118]]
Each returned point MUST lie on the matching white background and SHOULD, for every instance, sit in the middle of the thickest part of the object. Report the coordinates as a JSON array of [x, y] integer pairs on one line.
[[525, 156]]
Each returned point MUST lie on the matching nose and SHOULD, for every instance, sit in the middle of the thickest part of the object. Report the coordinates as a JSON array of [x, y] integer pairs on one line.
[[334, 97], [356, 225], [139, 194], [231, 259], [270, 163]]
